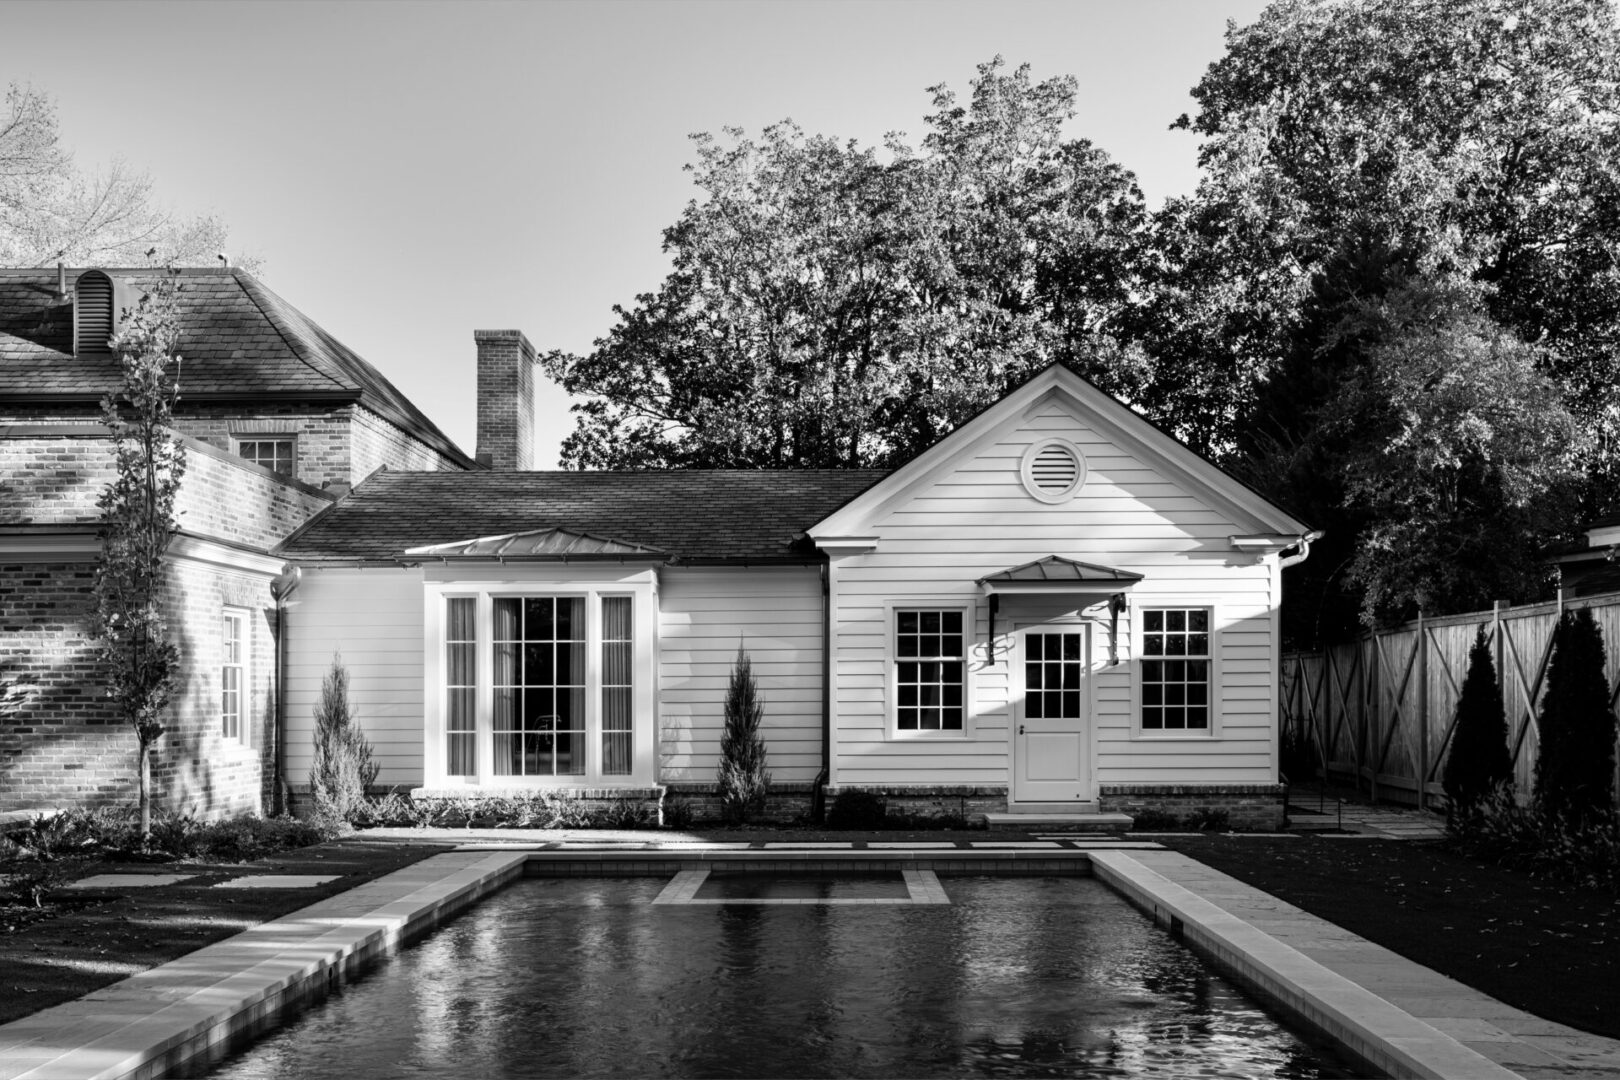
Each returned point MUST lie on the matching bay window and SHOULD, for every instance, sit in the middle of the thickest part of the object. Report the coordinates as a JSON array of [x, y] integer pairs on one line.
[[539, 686]]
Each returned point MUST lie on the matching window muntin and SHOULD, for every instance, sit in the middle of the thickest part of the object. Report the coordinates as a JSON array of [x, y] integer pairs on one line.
[[1175, 669], [274, 454], [1054, 665], [618, 715], [233, 684], [930, 669], [539, 683], [461, 686]]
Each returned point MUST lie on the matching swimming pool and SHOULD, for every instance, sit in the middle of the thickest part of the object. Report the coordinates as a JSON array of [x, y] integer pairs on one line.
[[850, 975]]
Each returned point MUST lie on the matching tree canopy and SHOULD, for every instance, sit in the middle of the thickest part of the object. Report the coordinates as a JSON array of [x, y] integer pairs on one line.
[[1392, 303], [833, 305], [51, 210]]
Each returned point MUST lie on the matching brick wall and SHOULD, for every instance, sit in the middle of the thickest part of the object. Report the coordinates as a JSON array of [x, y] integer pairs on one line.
[[1248, 807], [376, 443], [53, 474], [63, 745]]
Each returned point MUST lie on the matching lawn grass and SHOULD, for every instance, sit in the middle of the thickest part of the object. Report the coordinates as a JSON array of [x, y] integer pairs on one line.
[[1550, 949]]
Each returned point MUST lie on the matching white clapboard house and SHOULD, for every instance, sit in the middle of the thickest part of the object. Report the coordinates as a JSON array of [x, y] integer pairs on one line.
[[1056, 608]]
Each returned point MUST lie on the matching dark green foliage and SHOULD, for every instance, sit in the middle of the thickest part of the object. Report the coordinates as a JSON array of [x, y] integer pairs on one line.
[[744, 781], [856, 810], [1546, 845], [1297, 755], [1478, 763], [678, 813], [342, 769], [542, 810], [1575, 769]]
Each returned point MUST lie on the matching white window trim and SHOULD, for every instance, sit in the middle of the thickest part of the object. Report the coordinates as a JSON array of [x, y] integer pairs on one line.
[[1139, 604], [240, 437], [244, 683], [643, 596], [891, 670], [1026, 471]]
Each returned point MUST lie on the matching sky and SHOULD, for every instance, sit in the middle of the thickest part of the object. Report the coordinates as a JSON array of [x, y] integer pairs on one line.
[[410, 171]]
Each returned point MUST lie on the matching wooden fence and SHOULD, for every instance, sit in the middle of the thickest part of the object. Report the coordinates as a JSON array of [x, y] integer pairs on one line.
[[1379, 710]]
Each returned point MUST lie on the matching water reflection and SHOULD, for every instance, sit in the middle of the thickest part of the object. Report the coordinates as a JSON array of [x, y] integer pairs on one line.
[[586, 978]]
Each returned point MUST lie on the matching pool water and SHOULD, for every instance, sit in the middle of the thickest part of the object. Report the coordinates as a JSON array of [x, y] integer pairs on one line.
[[1015, 977]]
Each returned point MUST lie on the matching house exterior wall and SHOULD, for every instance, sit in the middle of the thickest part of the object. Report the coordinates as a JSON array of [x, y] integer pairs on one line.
[[975, 519], [377, 618], [375, 443], [62, 745], [373, 620], [704, 616], [65, 746]]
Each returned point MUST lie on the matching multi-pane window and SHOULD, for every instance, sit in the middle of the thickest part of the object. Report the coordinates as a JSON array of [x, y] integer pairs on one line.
[[930, 665], [539, 717], [274, 454], [1053, 667], [1175, 669], [461, 687], [617, 737], [232, 673]]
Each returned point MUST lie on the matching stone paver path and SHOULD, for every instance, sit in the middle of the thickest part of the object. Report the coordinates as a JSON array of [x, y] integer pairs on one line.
[[1389, 822], [1527, 1045]]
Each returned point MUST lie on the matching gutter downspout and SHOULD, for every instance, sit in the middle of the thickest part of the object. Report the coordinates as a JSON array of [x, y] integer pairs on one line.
[[1304, 552], [280, 588], [818, 798]]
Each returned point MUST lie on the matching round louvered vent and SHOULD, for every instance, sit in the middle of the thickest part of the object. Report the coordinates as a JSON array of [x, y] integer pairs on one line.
[[1053, 470]]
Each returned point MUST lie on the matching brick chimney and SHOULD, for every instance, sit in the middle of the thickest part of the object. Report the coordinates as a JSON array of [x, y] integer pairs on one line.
[[505, 399]]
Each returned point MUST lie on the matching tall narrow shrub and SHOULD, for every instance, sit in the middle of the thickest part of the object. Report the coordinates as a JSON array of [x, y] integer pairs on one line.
[[137, 522], [342, 769], [1479, 762], [1575, 769], [743, 778]]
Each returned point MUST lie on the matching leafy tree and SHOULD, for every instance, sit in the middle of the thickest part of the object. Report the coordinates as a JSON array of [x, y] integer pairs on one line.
[[342, 769], [1575, 767], [50, 210], [137, 522], [744, 781], [831, 305], [1458, 449], [1478, 764]]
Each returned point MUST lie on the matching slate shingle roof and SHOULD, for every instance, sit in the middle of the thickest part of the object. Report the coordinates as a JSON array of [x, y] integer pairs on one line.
[[693, 515], [239, 338]]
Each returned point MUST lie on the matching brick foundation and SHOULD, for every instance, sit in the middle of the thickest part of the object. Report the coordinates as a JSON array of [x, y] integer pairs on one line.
[[973, 801], [1248, 807]]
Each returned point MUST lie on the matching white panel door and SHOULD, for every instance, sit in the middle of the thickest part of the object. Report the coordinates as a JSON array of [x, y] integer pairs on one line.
[[1053, 737]]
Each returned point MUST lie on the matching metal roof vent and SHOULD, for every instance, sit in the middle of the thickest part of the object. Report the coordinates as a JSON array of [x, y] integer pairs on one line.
[[92, 313], [1053, 470]]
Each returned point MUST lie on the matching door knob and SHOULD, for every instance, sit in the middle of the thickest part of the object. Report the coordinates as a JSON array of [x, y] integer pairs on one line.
[[1020, 729]]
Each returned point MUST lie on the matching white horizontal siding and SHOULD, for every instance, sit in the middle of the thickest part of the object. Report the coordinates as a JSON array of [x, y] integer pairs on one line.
[[976, 519], [704, 616], [373, 618]]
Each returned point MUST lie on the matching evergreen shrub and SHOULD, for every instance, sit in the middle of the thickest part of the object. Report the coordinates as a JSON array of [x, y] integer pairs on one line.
[[1575, 766], [1478, 763], [744, 781], [342, 769]]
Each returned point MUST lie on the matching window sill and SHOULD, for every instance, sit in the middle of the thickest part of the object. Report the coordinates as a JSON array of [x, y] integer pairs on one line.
[[1174, 736]]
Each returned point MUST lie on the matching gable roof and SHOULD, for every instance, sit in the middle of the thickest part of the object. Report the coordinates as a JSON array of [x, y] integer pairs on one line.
[[696, 515], [239, 340], [1109, 415]]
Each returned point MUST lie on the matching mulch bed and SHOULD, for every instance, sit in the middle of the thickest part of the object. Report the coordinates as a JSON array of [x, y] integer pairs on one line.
[[86, 942], [1548, 948]]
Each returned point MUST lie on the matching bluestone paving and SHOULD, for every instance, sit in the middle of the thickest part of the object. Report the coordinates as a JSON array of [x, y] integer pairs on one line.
[[1431, 1025]]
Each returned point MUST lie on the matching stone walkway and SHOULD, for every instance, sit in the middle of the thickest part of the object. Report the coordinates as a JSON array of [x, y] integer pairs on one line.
[[1309, 814], [1522, 1044]]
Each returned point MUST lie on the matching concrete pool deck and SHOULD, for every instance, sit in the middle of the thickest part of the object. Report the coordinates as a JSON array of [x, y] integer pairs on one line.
[[1397, 1014]]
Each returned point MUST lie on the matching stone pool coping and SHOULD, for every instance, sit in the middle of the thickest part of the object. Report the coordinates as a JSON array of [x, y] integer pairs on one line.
[[1395, 1014]]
